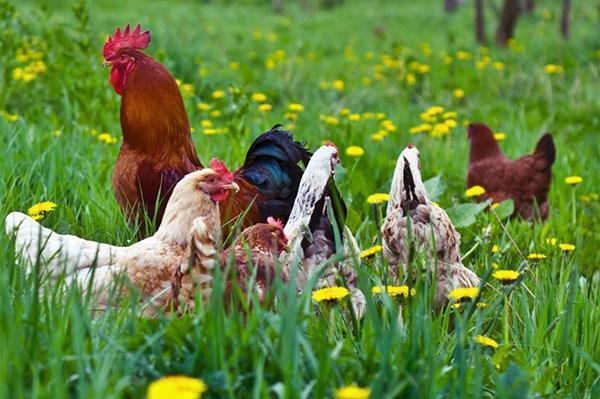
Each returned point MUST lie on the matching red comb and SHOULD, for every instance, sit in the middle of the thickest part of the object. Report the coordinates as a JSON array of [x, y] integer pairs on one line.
[[218, 166], [329, 143], [128, 39], [275, 222]]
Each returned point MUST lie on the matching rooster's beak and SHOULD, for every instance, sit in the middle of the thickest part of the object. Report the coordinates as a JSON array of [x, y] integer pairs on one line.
[[232, 187], [106, 63]]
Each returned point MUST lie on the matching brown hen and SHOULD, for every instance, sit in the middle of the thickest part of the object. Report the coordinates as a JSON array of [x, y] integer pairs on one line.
[[526, 180]]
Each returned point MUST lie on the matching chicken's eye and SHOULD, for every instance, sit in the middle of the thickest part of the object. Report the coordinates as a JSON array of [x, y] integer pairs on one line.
[[123, 57]]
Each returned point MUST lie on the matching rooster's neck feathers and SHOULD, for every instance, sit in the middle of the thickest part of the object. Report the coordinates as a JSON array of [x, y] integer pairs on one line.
[[153, 116], [483, 145]]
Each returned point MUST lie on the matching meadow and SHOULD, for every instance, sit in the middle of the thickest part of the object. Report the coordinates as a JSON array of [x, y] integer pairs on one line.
[[360, 75]]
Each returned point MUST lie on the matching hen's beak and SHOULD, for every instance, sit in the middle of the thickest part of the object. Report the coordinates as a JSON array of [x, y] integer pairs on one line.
[[231, 186], [106, 63]]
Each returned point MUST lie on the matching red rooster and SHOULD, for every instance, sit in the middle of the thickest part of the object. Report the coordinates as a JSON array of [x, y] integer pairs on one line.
[[526, 180], [157, 149]]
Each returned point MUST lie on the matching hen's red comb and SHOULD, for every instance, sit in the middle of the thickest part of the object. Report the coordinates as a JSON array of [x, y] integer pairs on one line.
[[218, 166], [128, 39], [329, 143], [275, 222]]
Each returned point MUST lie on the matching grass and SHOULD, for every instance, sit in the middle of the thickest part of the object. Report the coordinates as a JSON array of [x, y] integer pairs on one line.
[[52, 345]]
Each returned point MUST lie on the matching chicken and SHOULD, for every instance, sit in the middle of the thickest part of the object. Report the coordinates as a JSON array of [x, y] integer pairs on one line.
[[249, 264], [312, 233], [526, 180], [149, 264], [157, 149], [412, 220]]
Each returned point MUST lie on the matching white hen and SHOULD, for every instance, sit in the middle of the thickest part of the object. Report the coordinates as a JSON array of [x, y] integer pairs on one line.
[[430, 229]]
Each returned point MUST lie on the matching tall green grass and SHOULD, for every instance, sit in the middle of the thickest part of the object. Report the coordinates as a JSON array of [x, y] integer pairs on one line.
[[54, 345]]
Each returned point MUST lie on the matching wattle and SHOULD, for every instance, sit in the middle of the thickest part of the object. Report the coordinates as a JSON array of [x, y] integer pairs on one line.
[[219, 196], [118, 78]]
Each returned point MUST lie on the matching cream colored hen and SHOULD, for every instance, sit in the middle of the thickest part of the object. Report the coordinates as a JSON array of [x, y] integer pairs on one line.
[[430, 229]]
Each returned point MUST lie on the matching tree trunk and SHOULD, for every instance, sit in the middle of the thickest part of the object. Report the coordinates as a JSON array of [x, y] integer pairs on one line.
[[452, 5], [529, 6], [479, 22], [277, 6], [565, 21], [508, 22]]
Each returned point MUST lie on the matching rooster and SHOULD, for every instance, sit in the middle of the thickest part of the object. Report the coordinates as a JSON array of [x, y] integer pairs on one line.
[[157, 149], [526, 180], [311, 230], [150, 263], [411, 219]]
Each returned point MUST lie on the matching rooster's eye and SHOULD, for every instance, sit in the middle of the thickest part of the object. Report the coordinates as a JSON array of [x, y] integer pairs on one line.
[[123, 57]]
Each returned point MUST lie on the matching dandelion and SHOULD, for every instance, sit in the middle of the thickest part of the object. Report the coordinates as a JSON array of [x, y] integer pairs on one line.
[[265, 107], [234, 66], [462, 294], [259, 97], [379, 116], [9, 117], [423, 69], [39, 210], [551, 241], [536, 256], [439, 130], [57, 133], [393, 290], [552, 69], [218, 94], [354, 151], [463, 55], [425, 127], [459, 93], [107, 138], [216, 113], [486, 341], [451, 123], [206, 123], [573, 180], [203, 106], [368, 115], [410, 79], [566, 247], [331, 120], [352, 392], [345, 111], [499, 136], [498, 66], [330, 294], [295, 107], [354, 117], [475, 191], [369, 252], [338, 85], [378, 198], [380, 135], [435, 110], [495, 249], [449, 115], [506, 276], [388, 125], [187, 89], [290, 116], [176, 386]]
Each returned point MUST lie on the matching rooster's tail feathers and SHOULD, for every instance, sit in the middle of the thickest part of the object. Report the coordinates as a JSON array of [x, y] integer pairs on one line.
[[546, 150], [272, 166]]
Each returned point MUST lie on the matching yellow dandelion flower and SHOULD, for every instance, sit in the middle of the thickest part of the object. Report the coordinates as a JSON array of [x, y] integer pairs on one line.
[[393, 290], [498, 66], [486, 341], [506, 276], [461, 294], [354, 151], [410, 79], [205, 123], [367, 253], [265, 107], [499, 136], [436, 109], [380, 115], [218, 94], [388, 125], [536, 256], [216, 113], [176, 386], [440, 130], [9, 117], [423, 69], [354, 117], [573, 180], [203, 106], [551, 241], [566, 247], [57, 133], [290, 116], [39, 210], [447, 60], [331, 120], [330, 294], [495, 249], [107, 138], [338, 85], [585, 198], [368, 115], [187, 89], [344, 111], [475, 191], [451, 123], [259, 97], [481, 305], [459, 93], [295, 107], [378, 136], [378, 198], [234, 66], [352, 392], [552, 69], [450, 115], [463, 55]]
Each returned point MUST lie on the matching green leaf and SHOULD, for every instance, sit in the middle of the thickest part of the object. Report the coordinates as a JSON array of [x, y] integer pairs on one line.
[[464, 215], [436, 186], [505, 209]]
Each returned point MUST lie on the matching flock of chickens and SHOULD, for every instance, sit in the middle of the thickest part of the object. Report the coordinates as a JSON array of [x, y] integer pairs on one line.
[[283, 202]]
